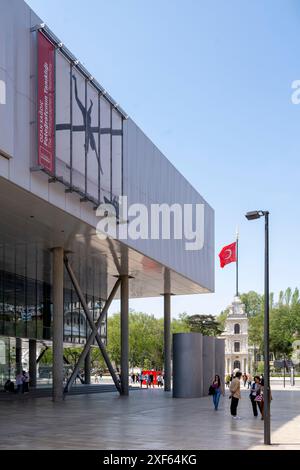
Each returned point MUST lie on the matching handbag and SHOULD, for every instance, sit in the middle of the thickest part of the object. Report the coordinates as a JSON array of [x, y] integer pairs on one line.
[[258, 398], [211, 390]]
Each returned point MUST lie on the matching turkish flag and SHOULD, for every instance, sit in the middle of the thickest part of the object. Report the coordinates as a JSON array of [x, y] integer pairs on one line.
[[227, 254]]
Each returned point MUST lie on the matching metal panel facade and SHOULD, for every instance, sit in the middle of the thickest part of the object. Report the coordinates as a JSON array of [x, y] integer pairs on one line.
[[148, 177]]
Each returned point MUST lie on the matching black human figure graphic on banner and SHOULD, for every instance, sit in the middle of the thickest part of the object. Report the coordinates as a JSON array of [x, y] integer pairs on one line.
[[87, 121]]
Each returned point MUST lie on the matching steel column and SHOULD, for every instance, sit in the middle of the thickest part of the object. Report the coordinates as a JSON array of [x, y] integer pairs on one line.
[[167, 342], [124, 335], [58, 322], [32, 362], [87, 367], [18, 355]]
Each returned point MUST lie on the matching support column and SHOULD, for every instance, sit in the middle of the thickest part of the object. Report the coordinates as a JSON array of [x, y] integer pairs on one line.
[[124, 335], [167, 342], [87, 368], [18, 355], [32, 363], [58, 322]]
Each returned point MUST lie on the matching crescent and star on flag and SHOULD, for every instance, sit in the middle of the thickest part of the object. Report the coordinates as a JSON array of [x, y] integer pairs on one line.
[[229, 254]]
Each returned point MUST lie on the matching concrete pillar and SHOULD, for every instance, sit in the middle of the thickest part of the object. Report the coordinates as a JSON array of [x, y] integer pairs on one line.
[[208, 362], [18, 355], [87, 368], [58, 322], [124, 335], [187, 365], [32, 363], [167, 342], [220, 358]]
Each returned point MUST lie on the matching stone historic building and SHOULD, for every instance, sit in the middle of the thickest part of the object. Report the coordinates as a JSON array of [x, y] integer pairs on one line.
[[236, 338]]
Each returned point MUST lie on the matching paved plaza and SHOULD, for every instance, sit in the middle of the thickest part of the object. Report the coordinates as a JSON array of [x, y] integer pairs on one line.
[[148, 419]]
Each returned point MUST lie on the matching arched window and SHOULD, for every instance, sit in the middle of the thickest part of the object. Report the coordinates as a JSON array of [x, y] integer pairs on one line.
[[237, 365], [237, 329], [236, 346]]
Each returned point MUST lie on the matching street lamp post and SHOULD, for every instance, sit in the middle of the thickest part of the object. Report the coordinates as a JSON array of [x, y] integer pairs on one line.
[[267, 394]]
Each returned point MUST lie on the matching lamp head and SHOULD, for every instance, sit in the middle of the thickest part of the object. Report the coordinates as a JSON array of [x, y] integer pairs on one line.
[[252, 215]]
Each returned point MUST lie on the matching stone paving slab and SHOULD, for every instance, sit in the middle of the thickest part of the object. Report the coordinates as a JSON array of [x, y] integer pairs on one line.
[[150, 419]]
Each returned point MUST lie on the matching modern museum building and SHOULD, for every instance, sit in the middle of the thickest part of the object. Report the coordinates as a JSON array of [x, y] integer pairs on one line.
[[70, 157]]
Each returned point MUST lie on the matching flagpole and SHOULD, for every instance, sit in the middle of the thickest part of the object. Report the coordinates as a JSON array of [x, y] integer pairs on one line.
[[237, 262]]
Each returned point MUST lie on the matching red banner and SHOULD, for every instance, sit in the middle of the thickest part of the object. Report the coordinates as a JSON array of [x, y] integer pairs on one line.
[[46, 97]]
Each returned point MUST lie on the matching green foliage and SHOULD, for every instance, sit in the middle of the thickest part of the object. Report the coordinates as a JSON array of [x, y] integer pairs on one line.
[[284, 320], [97, 361], [295, 297], [205, 324], [281, 330], [145, 338], [260, 367], [222, 318], [72, 354], [47, 357], [288, 296], [255, 330], [253, 303]]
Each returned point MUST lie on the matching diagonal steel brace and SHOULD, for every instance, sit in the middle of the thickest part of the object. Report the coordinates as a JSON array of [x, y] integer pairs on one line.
[[94, 327]]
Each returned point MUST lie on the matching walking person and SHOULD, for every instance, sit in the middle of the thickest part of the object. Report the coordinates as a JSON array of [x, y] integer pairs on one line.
[[261, 400], [218, 390], [245, 379], [255, 392], [141, 379], [249, 380], [235, 391], [19, 382], [151, 380], [159, 380], [227, 380], [146, 379], [25, 381]]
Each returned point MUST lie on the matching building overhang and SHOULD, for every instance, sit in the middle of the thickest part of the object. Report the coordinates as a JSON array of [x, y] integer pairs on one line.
[[28, 219]]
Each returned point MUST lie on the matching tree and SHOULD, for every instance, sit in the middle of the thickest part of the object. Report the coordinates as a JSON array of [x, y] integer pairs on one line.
[[114, 339], [295, 297], [97, 361], [47, 358], [146, 339], [288, 296], [281, 331], [206, 324], [280, 297], [222, 318], [72, 354], [256, 330], [253, 303]]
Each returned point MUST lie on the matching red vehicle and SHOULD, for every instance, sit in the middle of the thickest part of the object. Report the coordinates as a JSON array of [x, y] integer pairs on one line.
[[155, 373]]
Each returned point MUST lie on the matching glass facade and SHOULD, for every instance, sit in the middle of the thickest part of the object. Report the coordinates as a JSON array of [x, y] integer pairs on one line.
[[26, 296]]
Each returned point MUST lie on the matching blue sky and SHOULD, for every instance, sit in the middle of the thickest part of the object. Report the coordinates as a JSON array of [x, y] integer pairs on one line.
[[209, 82]]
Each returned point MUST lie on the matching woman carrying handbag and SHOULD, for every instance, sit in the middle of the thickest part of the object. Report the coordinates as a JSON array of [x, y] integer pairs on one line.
[[255, 395]]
